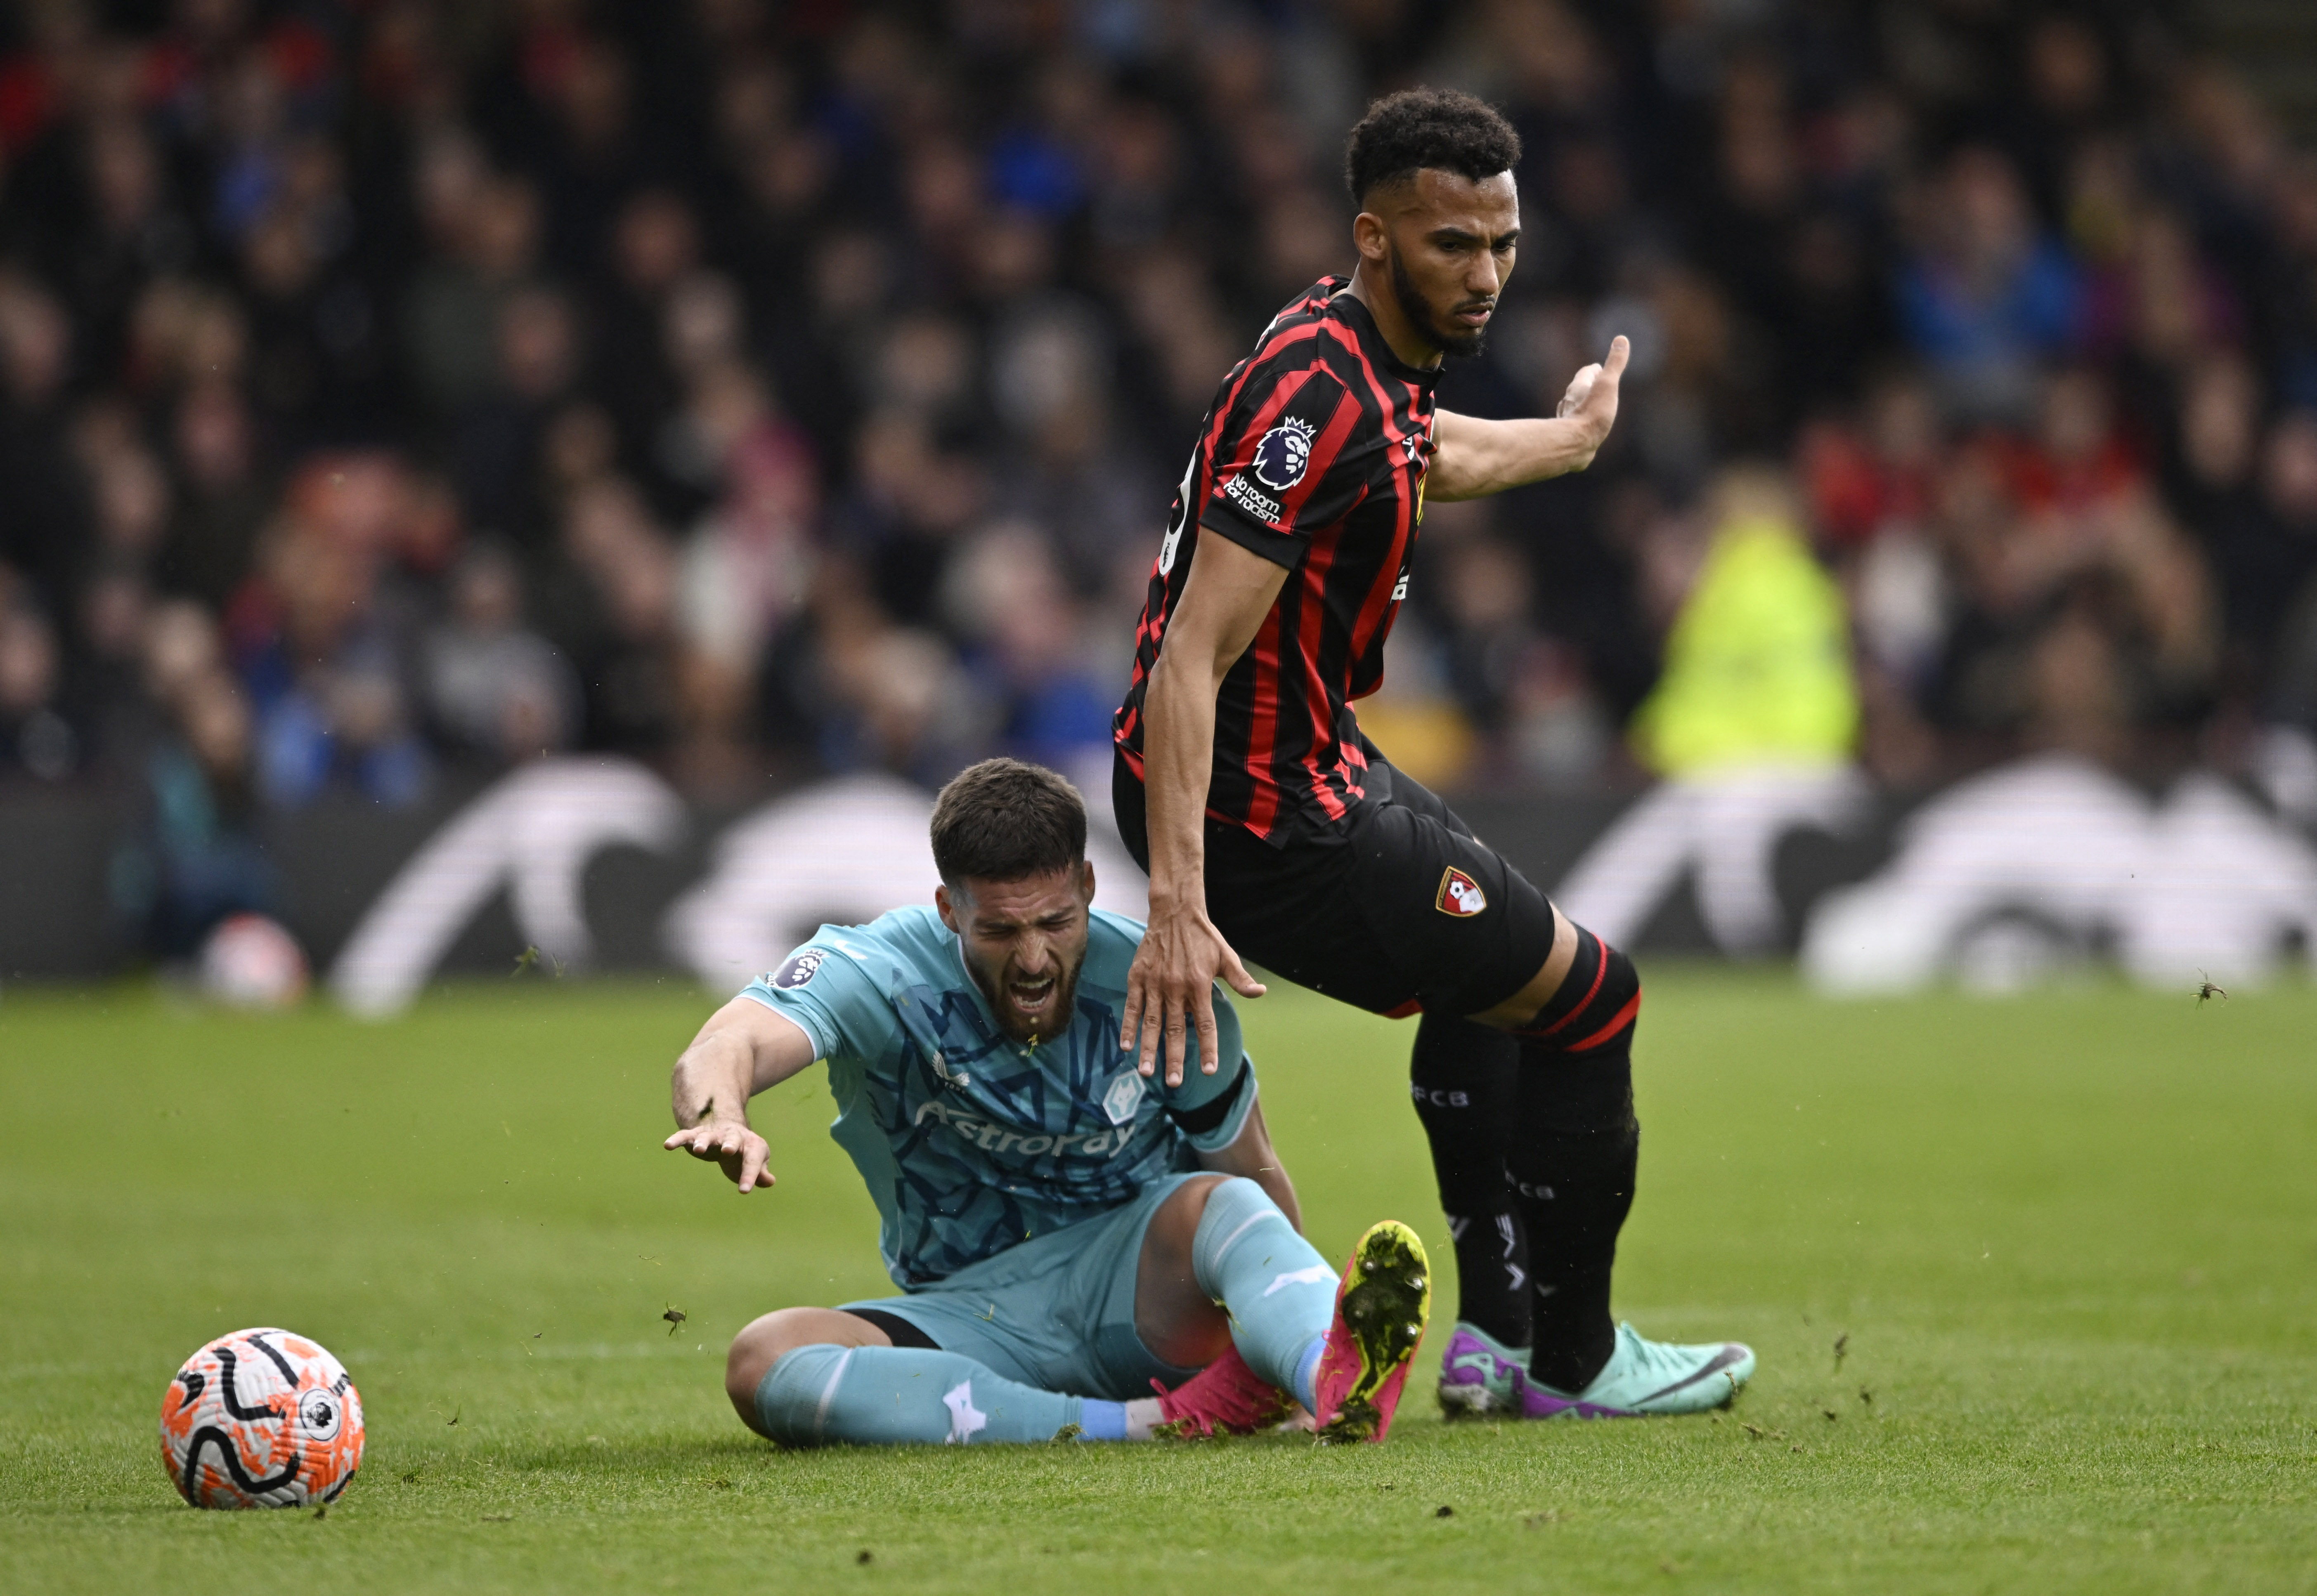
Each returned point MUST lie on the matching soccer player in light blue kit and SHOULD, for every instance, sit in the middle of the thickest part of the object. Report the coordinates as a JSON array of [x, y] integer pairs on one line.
[[1068, 1235]]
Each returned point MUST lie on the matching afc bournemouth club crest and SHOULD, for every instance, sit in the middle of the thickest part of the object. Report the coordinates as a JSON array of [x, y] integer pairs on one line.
[[1459, 895]]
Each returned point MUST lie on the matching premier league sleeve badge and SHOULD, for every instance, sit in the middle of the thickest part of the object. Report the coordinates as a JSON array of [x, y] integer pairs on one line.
[[1284, 454]]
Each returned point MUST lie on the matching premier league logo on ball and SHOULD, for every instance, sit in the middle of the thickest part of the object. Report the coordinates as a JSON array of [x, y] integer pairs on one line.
[[1280, 458]]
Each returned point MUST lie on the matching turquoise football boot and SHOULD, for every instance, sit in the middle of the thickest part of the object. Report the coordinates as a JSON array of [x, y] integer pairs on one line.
[[1645, 1377]]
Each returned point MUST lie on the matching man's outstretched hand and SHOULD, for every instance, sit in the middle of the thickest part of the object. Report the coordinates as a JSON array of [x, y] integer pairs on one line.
[[1591, 400], [1171, 989], [742, 1153], [1473, 458]]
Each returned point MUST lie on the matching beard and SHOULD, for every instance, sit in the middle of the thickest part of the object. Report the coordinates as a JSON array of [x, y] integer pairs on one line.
[[1054, 1018], [1453, 342]]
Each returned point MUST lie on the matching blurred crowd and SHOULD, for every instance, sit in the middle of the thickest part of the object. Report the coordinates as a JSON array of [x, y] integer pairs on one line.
[[393, 390]]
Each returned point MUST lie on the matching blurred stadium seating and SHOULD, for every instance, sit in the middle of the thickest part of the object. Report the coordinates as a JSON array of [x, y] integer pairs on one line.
[[393, 392]]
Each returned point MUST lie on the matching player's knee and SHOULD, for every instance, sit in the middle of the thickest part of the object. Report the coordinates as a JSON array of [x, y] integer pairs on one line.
[[1190, 1199], [1178, 1219], [1236, 1209], [788, 1401], [1598, 1005], [1620, 999], [1227, 1200], [1170, 1239], [753, 1353]]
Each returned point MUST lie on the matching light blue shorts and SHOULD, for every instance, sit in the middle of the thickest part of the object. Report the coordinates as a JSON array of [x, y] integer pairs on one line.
[[1056, 1312]]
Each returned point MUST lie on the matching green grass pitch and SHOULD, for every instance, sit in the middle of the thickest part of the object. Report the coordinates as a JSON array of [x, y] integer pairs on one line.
[[2072, 1240]]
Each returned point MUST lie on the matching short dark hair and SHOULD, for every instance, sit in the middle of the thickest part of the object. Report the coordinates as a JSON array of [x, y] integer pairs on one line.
[[1404, 133], [1003, 820]]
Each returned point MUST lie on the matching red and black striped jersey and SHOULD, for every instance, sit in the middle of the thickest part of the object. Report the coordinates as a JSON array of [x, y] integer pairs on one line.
[[1312, 455]]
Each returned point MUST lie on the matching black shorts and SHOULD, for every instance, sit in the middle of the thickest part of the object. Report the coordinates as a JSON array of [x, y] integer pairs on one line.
[[1399, 909]]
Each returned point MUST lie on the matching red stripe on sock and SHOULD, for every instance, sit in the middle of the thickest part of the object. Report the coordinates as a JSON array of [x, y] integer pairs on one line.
[[1598, 974], [1625, 1018]]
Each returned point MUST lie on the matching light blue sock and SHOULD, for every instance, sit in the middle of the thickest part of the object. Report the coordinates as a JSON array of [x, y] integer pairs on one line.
[[1279, 1292], [1307, 1375], [1101, 1421], [882, 1396]]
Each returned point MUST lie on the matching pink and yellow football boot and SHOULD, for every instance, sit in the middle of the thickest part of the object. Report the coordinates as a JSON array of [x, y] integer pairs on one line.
[[1225, 1398], [1381, 1306]]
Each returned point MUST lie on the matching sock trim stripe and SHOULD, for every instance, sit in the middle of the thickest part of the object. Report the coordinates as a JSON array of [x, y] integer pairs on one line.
[[829, 1396], [1623, 1018], [1600, 973], [1215, 1258]]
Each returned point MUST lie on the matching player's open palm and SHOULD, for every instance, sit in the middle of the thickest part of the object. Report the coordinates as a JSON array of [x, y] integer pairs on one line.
[[742, 1153], [1170, 989], [1591, 400]]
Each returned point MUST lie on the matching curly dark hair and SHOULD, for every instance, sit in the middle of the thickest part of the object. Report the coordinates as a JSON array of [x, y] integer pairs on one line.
[[1404, 133]]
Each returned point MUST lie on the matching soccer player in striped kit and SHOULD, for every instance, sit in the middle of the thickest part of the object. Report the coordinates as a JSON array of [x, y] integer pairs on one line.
[[1273, 828]]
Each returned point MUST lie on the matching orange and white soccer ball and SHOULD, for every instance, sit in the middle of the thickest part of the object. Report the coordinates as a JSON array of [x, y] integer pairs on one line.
[[261, 1418]]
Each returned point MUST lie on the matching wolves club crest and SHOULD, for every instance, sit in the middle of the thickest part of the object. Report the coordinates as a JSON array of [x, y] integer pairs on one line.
[[1459, 895]]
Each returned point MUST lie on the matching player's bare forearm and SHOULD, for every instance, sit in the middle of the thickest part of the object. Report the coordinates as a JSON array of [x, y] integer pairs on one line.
[[1252, 1154], [1479, 458], [1178, 743], [1475, 458], [1225, 599], [711, 1074], [1169, 987], [744, 1049]]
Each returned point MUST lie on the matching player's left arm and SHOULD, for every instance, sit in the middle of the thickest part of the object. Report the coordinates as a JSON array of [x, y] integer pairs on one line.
[[744, 1049], [1473, 458], [1252, 1154]]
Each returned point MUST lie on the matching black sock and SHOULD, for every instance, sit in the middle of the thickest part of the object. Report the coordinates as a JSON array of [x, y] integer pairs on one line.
[[1465, 1080], [1574, 1156], [1573, 1163]]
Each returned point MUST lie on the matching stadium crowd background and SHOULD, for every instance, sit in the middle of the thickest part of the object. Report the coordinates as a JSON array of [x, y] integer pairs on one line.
[[399, 389]]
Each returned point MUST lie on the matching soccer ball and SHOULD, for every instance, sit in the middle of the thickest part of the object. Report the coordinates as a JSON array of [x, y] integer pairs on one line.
[[261, 1418], [250, 962]]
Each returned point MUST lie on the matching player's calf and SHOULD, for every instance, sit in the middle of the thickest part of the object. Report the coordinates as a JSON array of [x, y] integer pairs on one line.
[[1573, 1163], [1277, 1293], [1339, 1345], [866, 1395], [1574, 1154], [810, 1377]]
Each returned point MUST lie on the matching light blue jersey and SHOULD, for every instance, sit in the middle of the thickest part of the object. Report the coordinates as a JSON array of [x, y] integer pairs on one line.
[[971, 1142]]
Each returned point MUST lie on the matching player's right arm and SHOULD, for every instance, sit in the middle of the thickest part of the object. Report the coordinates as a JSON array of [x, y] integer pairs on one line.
[[1169, 989], [745, 1048]]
